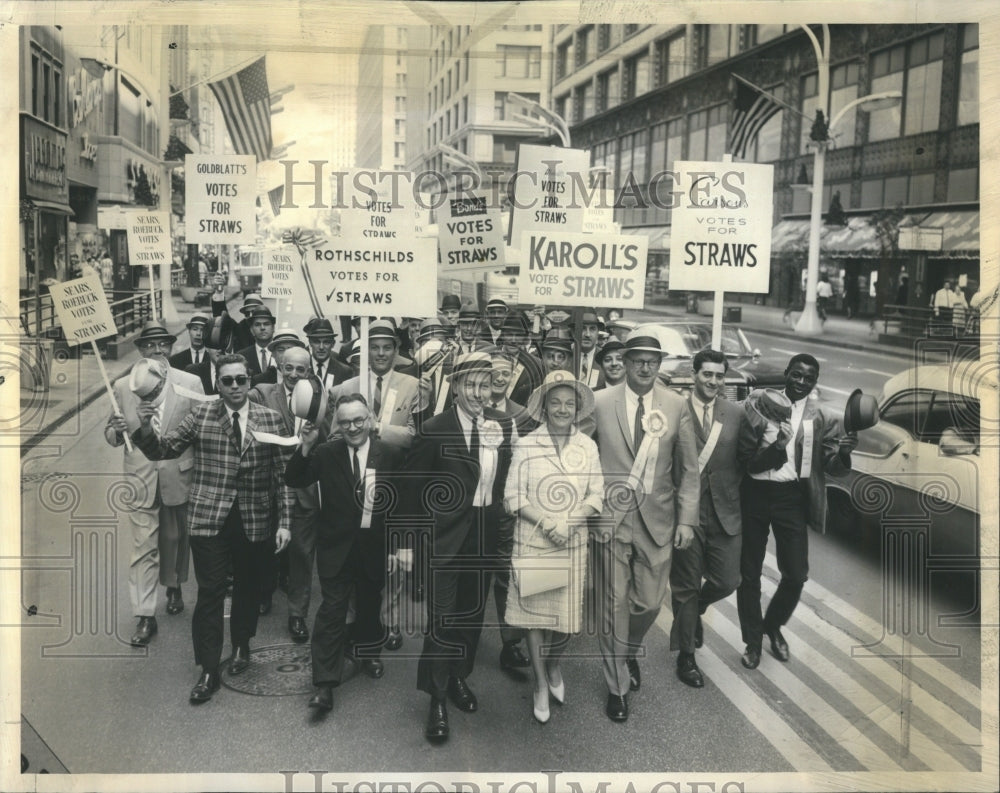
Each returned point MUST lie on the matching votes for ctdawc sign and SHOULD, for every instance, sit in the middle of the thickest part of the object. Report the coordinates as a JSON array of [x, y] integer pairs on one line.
[[720, 233], [83, 311], [220, 198], [582, 269]]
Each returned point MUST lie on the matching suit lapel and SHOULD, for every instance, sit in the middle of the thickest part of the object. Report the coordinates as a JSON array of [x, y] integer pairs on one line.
[[699, 430], [227, 425], [622, 414]]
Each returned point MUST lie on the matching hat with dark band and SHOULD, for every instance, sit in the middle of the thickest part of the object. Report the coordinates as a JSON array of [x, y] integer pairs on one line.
[[154, 331], [309, 399], [198, 320], [250, 302], [472, 362], [612, 345], [285, 338], [351, 351], [496, 302], [468, 314], [642, 339], [430, 327], [319, 328], [515, 322], [219, 333], [259, 312], [147, 377], [382, 329], [558, 342], [861, 412]]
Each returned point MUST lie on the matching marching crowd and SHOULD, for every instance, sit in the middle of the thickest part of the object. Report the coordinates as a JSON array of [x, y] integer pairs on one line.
[[477, 452]]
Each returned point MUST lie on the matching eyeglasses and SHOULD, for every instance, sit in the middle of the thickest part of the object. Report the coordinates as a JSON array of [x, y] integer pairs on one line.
[[155, 345], [229, 379], [356, 423], [643, 363]]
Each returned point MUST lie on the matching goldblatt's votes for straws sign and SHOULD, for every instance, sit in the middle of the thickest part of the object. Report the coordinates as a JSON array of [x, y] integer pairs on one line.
[[578, 269], [720, 233], [83, 311], [220, 198]]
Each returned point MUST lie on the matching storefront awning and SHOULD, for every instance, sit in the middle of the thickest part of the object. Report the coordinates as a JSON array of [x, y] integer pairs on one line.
[[961, 230], [53, 206]]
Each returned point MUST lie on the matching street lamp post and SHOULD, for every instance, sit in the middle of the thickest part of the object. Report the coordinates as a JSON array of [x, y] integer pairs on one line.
[[549, 120], [809, 323]]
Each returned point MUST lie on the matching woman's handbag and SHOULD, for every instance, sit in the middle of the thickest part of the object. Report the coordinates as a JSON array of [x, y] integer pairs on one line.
[[542, 571]]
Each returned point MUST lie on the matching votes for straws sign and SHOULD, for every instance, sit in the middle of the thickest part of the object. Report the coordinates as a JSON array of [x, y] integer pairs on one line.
[[720, 232]]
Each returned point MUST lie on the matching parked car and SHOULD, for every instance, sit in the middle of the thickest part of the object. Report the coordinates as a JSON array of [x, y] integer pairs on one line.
[[680, 339], [919, 466]]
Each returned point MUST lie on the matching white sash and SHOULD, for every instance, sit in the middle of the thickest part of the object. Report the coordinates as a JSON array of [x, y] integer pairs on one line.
[[388, 406], [706, 453], [366, 515], [807, 448], [518, 370], [269, 437], [187, 392], [644, 465]]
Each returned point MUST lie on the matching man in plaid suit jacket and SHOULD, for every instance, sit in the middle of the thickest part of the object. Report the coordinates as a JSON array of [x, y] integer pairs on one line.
[[237, 478]]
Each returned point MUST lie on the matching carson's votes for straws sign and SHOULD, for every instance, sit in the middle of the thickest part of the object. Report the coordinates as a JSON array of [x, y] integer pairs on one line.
[[720, 231]]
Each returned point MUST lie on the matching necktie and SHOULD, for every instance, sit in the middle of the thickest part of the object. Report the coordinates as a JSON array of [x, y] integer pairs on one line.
[[197, 357], [638, 431], [319, 372], [706, 417], [377, 399], [474, 441], [263, 361], [237, 432], [156, 420], [357, 469]]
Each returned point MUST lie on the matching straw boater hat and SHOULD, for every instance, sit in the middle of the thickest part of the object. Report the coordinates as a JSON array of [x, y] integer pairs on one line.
[[352, 350], [496, 302], [154, 331], [382, 329], [430, 327], [584, 396], [146, 377], [286, 338], [861, 412], [309, 399], [643, 339], [319, 328], [771, 404]]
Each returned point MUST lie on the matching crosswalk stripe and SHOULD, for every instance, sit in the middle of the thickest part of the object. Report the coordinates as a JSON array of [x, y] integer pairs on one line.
[[823, 713], [793, 352], [886, 714], [780, 735], [879, 372], [865, 624]]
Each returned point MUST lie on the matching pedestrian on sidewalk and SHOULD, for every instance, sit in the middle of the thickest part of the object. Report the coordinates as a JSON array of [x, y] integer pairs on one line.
[[238, 483], [824, 291], [158, 518]]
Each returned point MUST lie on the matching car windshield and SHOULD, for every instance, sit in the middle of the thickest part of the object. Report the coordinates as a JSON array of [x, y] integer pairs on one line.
[[685, 340]]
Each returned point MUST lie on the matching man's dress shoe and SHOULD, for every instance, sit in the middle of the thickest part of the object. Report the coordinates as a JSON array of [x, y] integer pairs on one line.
[[373, 667], [436, 730], [395, 640], [240, 661], [265, 605], [688, 671], [751, 657], [778, 644], [634, 678], [699, 633], [513, 657], [175, 603], [462, 695], [322, 699], [144, 632], [207, 685], [297, 628], [617, 707]]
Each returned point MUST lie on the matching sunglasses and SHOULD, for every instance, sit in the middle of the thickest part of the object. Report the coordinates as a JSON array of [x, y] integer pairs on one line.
[[229, 379]]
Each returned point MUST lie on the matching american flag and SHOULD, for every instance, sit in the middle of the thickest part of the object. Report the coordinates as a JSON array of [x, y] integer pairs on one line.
[[275, 196], [246, 105], [754, 107]]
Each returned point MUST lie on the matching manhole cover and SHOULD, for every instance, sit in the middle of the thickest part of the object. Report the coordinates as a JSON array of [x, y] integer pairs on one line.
[[277, 671]]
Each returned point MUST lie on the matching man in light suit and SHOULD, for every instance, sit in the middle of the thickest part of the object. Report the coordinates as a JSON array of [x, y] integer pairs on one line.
[[394, 396], [238, 482], [352, 545], [645, 515], [158, 519], [305, 512], [714, 554], [786, 492], [463, 456]]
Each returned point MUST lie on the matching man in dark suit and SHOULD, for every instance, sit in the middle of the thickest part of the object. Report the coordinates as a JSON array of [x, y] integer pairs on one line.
[[237, 484], [528, 370], [589, 371], [242, 335], [496, 312], [195, 354], [259, 358], [280, 342], [218, 337], [714, 555], [463, 456], [468, 332], [634, 537], [327, 367], [305, 513], [351, 552]]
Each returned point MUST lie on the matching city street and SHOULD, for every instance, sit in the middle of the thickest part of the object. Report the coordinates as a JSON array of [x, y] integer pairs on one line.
[[100, 705]]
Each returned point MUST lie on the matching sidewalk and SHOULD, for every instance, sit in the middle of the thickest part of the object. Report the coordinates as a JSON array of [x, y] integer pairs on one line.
[[852, 334], [75, 383]]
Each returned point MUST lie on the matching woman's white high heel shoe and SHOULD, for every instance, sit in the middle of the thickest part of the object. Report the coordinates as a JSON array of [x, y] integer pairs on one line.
[[558, 692], [541, 713]]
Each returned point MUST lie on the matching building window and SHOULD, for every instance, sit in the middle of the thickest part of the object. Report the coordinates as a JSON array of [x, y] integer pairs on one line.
[[583, 37], [466, 59], [603, 38], [963, 184], [399, 150], [401, 80], [583, 102], [802, 199], [764, 33], [563, 106], [633, 157], [606, 155], [968, 77], [465, 109], [608, 91], [518, 61], [504, 149], [914, 69], [401, 104], [46, 88], [500, 103], [636, 77], [670, 60], [890, 191], [399, 127], [631, 30], [843, 91], [921, 189], [564, 56], [707, 134], [668, 138], [720, 42]]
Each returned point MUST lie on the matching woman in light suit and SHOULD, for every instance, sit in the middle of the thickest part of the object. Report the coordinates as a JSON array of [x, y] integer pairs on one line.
[[555, 483]]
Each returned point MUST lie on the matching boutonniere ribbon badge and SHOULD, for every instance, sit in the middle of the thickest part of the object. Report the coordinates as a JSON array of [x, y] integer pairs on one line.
[[574, 458], [491, 435], [654, 424]]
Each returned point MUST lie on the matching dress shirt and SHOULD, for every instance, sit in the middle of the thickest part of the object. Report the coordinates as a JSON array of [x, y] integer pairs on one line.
[[196, 355], [787, 472], [487, 461], [587, 362]]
